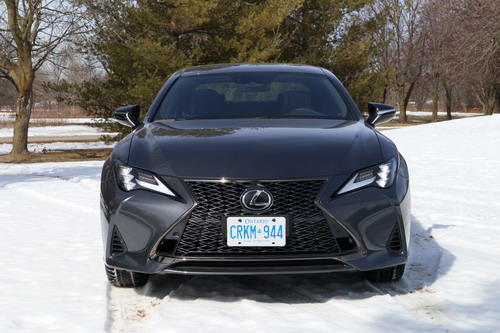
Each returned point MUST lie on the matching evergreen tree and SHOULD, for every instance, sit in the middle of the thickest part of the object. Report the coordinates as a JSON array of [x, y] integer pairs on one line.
[[141, 44], [337, 35]]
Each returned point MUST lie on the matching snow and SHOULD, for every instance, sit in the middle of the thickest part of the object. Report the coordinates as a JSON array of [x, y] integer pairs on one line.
[[6, 115], [10, 116], [70, 130], [53, 278], [58, 146], [440, 114], [67, 120]]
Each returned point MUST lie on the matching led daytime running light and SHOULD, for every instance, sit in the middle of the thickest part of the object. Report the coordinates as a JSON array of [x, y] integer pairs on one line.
[[381, 176], [131, 178], [384, 174]]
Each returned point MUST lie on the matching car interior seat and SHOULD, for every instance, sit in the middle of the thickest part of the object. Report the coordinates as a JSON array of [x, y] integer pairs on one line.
[[207, 103], [295, 99]]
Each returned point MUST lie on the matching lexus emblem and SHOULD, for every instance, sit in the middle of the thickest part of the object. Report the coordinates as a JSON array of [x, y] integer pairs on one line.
[[257, 198]]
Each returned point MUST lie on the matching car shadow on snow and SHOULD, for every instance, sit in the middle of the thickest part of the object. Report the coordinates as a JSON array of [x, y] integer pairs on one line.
[[423, 268], [428, 261]]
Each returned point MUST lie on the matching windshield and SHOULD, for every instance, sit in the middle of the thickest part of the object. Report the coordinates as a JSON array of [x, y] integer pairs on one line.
[[253, 95]]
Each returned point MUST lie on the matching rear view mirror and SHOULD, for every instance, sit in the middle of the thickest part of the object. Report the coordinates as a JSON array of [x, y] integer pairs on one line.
[[380, 113], [128, 115]]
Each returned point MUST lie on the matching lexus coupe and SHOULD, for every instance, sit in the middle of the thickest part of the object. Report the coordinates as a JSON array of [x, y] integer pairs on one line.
[[254, 169]]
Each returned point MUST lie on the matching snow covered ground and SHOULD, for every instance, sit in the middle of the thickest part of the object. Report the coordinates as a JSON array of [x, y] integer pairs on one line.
[[10, 116], [70, 130], [53, 279], [440, 114], [5, 148]]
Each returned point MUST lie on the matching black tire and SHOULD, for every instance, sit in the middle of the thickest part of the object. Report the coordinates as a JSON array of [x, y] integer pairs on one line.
[[126, 279], [385, 274]]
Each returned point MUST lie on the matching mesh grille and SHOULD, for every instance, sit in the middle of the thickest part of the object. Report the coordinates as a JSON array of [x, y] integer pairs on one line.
[[309, 234]]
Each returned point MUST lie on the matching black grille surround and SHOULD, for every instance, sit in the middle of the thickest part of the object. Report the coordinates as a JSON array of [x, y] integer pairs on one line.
[[310, 233]]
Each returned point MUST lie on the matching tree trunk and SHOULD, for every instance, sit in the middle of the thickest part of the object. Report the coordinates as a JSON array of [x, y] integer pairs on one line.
[[384, 95], [401, 104], [23, 115], [447, 89], [491, 101], [24, 76], [487, 97], [435, 101], [403, 100]]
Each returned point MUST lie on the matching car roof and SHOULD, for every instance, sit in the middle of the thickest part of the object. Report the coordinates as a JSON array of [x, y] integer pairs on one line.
[[248, 67]]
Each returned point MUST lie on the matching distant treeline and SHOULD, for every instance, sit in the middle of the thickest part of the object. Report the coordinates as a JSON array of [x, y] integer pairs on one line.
[[392, 51]]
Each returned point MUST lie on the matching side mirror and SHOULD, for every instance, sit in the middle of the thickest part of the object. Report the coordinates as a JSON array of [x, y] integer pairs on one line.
[[128, 115], [380, 113]]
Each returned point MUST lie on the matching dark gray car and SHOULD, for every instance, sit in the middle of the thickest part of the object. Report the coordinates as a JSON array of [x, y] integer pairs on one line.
[[254, 169]]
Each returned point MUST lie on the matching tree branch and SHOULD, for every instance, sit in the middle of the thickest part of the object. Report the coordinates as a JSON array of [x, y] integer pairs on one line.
[[13, 22], [6, 63]]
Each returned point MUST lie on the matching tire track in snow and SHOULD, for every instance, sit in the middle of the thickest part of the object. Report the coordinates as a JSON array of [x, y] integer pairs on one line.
[[422, 270], [321, 304], [129, 312], [133, 310]]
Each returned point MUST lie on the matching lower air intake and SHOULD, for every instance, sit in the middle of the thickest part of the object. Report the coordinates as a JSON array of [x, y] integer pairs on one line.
[[118, 246], [394, 244]]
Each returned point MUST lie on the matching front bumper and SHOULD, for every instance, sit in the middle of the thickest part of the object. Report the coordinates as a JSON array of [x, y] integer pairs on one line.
[[150, 227]]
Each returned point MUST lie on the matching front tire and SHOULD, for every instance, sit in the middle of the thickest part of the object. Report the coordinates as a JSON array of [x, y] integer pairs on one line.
[[385, 274], [126, 279]]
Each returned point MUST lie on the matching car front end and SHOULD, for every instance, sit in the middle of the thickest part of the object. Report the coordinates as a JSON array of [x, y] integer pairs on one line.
[[255, 195]]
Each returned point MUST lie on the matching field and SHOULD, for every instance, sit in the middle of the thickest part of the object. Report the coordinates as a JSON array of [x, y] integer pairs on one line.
[[54, 139]]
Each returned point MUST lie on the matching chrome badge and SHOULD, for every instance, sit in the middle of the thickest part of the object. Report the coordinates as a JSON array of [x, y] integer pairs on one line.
[[257, 198]]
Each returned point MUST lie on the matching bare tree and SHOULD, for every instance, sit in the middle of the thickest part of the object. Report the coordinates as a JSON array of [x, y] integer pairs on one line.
[[477, 44], [401, 42], [7, 94], [31, 31], [439, 53]]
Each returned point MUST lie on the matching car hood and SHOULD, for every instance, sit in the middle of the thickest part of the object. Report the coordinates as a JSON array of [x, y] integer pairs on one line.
[[254, 148]]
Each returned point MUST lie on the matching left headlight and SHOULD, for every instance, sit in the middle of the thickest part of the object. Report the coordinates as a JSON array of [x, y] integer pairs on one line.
[[381, 175], [132, 178]]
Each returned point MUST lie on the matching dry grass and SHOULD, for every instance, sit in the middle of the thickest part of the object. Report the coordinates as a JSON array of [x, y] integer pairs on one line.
[[69, 138], [45, 116], [59, 112], [65, 156], [396, 125], [416, 120]]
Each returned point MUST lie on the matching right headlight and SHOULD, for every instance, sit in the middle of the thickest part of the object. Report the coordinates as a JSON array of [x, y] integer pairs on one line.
[[130, 179], [381, 175]]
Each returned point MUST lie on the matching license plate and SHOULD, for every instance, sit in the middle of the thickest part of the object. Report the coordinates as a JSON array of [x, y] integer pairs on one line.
[[256, 230]]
